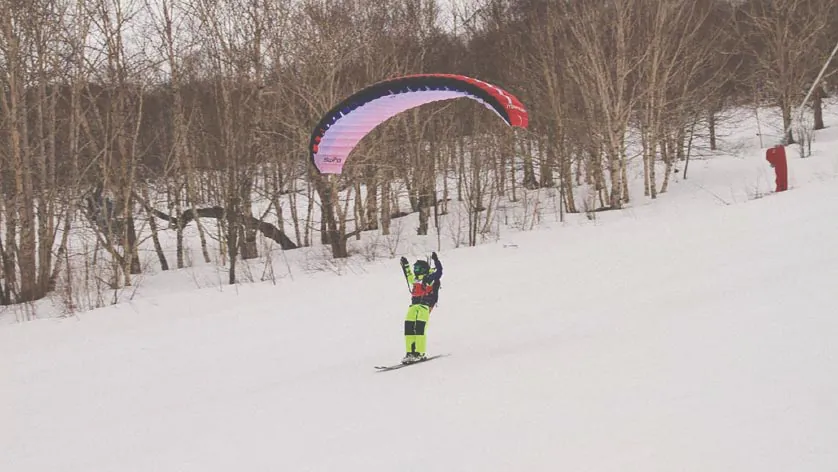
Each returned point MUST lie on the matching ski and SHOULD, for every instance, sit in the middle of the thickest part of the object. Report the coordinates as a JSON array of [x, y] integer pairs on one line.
[[385, 368]]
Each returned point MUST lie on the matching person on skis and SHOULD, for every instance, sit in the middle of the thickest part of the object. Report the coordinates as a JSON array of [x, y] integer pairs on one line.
[[424, 283]]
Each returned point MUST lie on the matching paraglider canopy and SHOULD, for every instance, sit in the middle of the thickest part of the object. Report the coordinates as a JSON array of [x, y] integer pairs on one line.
[[340, 130]]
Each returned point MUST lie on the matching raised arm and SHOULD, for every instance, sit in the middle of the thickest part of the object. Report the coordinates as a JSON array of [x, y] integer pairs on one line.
[[437, 273], [408, 272]]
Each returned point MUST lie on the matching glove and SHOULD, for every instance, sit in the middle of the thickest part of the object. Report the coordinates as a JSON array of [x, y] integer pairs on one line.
[[404, 261], [433, 256]]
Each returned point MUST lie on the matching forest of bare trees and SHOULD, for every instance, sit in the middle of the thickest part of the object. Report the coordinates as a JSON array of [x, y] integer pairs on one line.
[[137, 120]]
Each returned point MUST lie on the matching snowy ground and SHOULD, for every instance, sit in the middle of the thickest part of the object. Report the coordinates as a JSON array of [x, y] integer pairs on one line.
[[694, 333]]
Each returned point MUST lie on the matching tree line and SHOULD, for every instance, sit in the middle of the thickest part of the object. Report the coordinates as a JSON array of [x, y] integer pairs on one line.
[[134, 117]]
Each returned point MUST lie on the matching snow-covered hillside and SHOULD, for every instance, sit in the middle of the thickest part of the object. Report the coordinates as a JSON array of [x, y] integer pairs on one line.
[[694, 333]]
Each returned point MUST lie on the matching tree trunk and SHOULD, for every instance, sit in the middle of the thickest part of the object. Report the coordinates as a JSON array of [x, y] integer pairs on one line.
[[372, 204], [711, 128], [817, 105], [155, 237], [233, 236], [785, 105], [666, 155], [360, 212], [249, 248], [131, 250], [566, 178], [529, 171], [386, 212], [328, 202], [614, 168]]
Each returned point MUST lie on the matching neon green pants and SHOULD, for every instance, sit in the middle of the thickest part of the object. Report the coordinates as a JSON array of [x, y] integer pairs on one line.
[[414, 328]]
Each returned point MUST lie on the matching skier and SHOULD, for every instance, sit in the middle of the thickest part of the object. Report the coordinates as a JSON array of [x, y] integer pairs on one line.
[[424, 286]]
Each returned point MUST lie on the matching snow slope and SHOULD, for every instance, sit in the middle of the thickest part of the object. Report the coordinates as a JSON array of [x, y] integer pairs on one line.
[[696, 333]]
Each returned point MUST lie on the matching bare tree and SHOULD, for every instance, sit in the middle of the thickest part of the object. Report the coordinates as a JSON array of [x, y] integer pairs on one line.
[[30, 35], [779, 35], [609, 53], [681, 43]]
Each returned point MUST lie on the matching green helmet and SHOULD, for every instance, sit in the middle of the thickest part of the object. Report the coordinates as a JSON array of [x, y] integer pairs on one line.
[[421, 267]]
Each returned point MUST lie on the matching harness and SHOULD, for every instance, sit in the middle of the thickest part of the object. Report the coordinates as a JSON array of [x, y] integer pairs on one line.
[[423, 293], [420, 289]]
